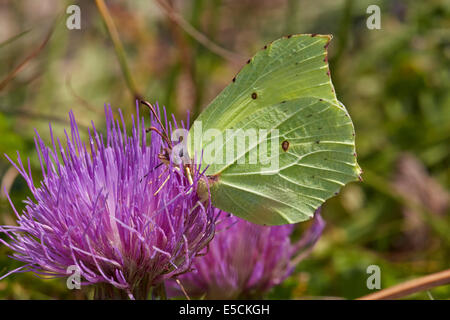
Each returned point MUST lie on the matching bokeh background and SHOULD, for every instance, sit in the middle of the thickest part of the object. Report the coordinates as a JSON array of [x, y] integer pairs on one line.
[[395, 83]]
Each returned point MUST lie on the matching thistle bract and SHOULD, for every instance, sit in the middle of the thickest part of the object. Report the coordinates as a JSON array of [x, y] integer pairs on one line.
[[245, 260], [111, 210]]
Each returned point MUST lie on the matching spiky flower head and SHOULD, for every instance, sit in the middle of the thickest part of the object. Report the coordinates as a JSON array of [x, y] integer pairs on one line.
[[114, 212], [245, 260]]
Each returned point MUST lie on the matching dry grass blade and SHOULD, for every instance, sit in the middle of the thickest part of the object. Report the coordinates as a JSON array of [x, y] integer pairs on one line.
[[409, 287], [40, 117], [31, 56], [14, 38], [182, 289], [197, 35]]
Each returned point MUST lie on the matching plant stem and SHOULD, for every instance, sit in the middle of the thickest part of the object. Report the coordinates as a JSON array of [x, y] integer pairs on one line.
[[118, 47], [160, 292], [412, 286], [31, 56], [197, 35], [106, 291]]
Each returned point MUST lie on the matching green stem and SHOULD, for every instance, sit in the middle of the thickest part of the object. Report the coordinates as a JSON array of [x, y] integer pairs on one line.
[[160, 292], [106, 291]]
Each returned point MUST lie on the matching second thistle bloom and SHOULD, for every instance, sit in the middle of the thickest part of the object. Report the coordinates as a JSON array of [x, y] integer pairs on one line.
[[112, 210], [245, 260]]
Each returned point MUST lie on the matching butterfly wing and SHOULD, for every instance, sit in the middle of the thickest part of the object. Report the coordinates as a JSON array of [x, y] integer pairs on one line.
[[285, 90]]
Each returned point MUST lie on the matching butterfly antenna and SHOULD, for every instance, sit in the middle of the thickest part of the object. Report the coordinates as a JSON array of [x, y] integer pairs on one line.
[[165, 138], [152, 109]]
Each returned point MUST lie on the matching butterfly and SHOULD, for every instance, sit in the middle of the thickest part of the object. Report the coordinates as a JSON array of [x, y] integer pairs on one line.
[[276, 142]]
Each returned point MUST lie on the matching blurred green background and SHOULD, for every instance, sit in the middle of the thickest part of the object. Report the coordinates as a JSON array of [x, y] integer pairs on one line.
[[395, 82]]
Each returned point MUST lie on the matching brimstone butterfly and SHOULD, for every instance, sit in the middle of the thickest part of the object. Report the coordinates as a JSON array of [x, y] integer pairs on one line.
[[285, 88]]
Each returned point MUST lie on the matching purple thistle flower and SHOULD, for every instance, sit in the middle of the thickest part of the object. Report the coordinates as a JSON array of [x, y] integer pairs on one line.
[[245, 260], [126, 221]]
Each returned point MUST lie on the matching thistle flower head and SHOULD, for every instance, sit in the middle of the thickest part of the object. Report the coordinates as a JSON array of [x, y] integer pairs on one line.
[[245, 260], [112, 209]]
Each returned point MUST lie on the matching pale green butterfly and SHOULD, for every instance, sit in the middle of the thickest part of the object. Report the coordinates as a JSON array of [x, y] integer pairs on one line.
[[285, 88]]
